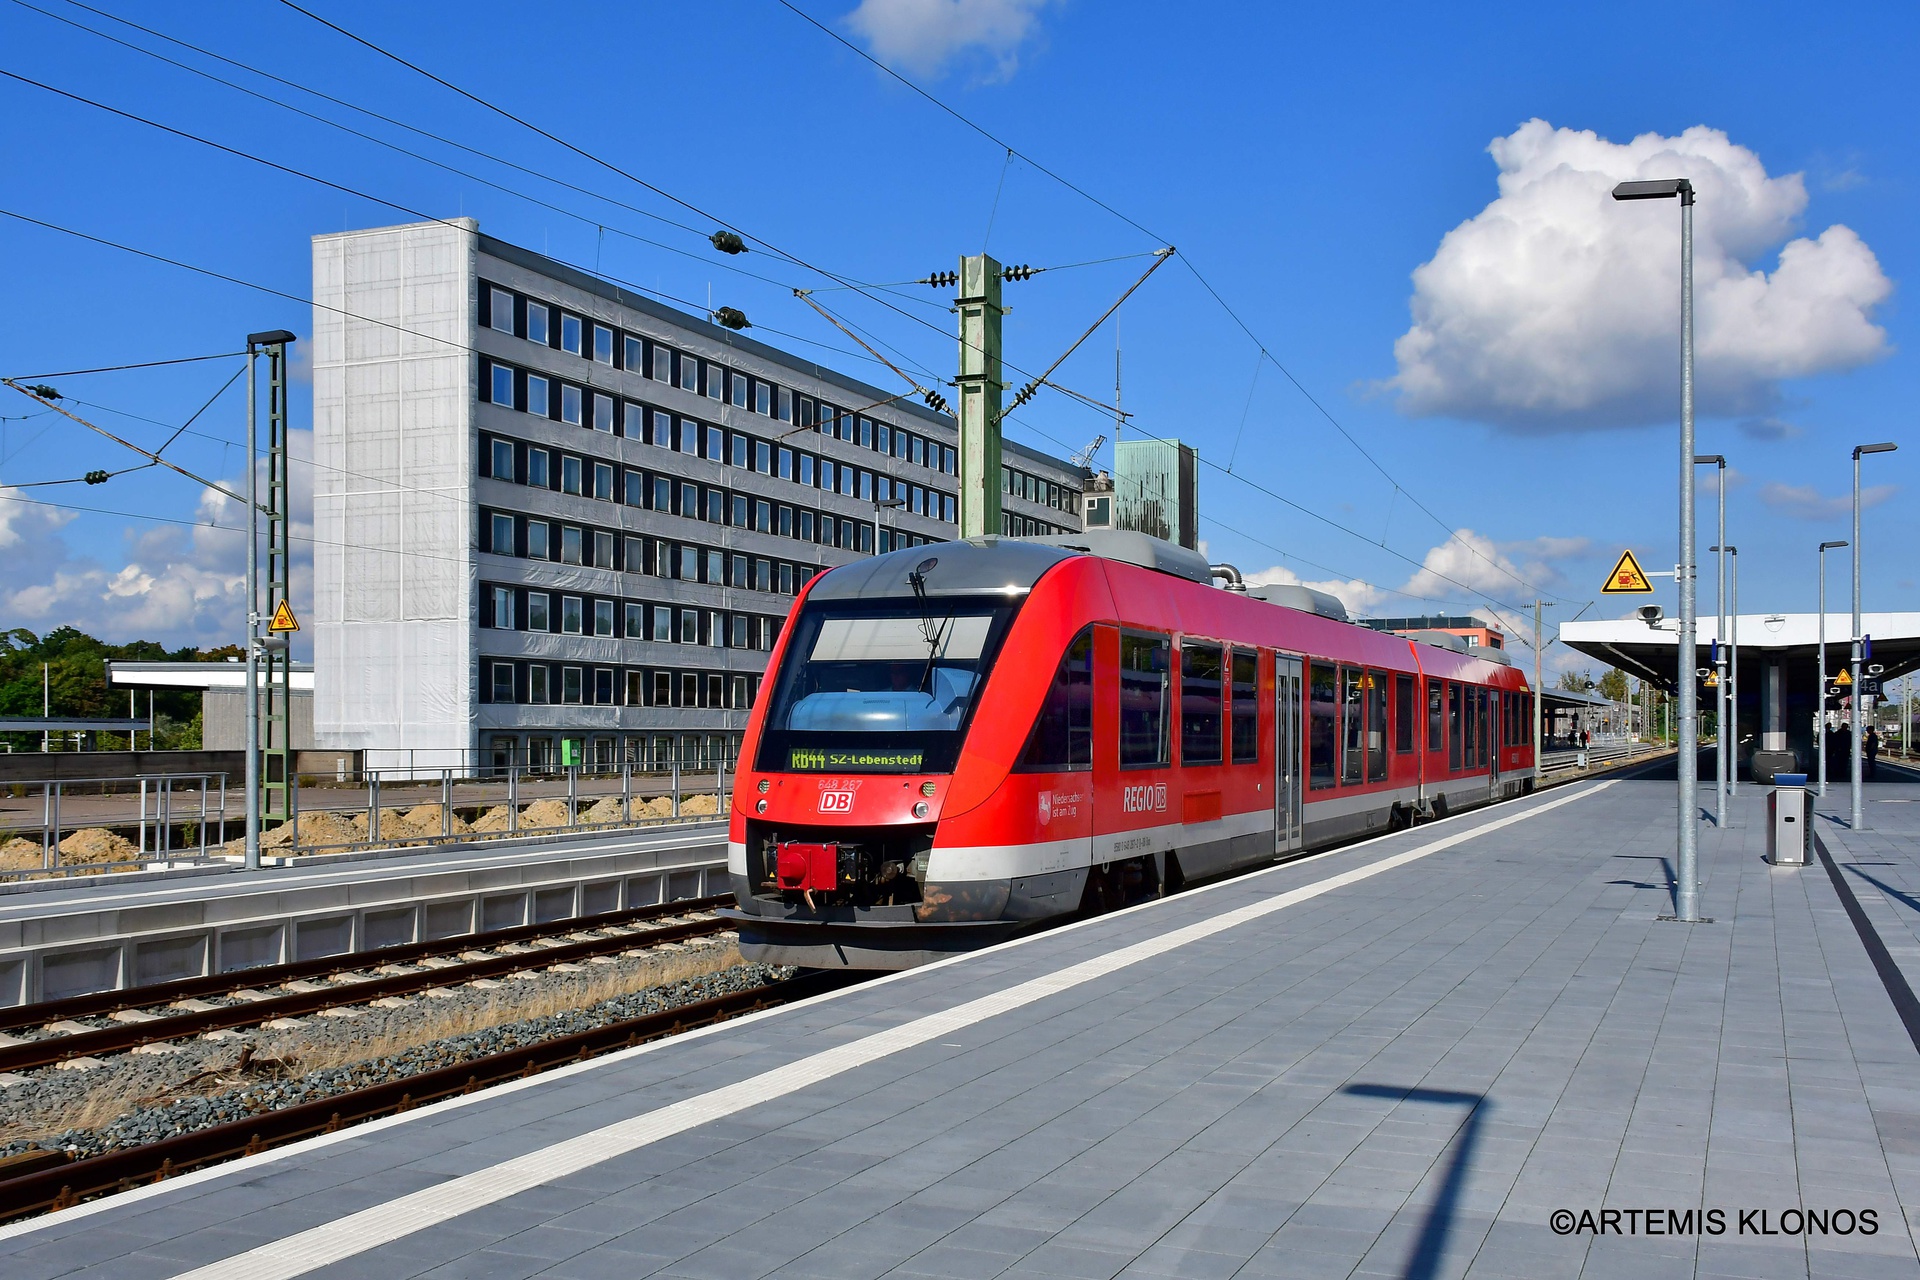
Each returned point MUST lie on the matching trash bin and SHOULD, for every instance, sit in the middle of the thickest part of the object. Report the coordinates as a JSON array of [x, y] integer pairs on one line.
[[1789, 831]]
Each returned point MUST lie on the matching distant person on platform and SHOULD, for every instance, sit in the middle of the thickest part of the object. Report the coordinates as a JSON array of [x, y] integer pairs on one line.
[[1870, 743]]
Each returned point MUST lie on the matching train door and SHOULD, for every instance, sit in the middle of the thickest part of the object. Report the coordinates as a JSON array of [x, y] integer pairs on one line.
[[1286, 754]]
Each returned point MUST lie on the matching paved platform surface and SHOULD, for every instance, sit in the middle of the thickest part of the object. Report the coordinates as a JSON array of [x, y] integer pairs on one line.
[[1400, 1059]]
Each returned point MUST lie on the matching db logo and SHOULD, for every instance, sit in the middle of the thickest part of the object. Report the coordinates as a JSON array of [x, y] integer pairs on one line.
[[836, 801], [1146, 798]]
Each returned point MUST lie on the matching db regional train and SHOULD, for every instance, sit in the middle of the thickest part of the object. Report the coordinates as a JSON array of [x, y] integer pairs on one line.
[[962, 740]]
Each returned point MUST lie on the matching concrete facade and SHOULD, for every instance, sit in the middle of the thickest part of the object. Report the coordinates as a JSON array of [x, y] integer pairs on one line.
[[560, 523]]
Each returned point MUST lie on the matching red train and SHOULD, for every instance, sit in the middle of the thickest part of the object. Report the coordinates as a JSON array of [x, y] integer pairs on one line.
[[960, 740]]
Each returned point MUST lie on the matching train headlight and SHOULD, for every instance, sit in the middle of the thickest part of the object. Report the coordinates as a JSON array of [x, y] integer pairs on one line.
[[764, 784], [927, 789], [760, 806], [920, 809]]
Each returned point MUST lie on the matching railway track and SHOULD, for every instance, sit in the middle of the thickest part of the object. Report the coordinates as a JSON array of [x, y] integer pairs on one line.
[[42, 1181], [178, 1010]]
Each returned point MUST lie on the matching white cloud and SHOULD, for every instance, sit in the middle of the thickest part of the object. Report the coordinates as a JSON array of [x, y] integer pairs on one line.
[[1497, 568], [1804, 502], [1556, 307], [1767, 430], [924, 35], [179, 585]]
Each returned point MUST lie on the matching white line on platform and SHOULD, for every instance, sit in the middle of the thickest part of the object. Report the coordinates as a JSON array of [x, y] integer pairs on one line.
[[356, 1233]]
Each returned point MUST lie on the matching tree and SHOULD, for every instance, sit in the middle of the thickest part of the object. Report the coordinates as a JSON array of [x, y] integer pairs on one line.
[[75, 676], [1613, 685], [1575, 681]]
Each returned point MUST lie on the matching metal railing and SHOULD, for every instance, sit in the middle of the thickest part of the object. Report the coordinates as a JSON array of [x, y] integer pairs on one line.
[[1579, 758], [161, 821]]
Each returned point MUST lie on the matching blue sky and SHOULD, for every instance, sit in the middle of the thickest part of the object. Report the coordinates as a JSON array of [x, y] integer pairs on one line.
[[1522, 388]]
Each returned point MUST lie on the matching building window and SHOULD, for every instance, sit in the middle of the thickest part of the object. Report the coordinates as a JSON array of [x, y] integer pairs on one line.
[[503, 608], [716, 693], [537, 323], [689, 689], [740, 511], [739, 390], [739, 640], [662, 430], [763, 516], [690, 501], [570, 615], [662, 696], [635, 696], [689, 437], [603, 481], [570, 333], [737, 571], [603, 688], [603, 617], [716, 507], [502, 544], [569, 544], [537, 692], [570, 404], [537, 396], [662, 364], [690, 374], [716, 569], [502, 304], [636, 555], [569, 475], [663, 624], [603, 413], [570, 685], [602, 549], [603, 344], [786, 579], [663, 559], [537, 611], [763, 399], [636, 620], [501, 460], [503, 682], [503, 385], [738, 701], [716, 444], [537, 548], [689, 627], [635, 355], [537, 468]]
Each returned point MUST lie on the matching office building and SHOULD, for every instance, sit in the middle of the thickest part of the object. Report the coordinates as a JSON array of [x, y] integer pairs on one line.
[[558, 522]]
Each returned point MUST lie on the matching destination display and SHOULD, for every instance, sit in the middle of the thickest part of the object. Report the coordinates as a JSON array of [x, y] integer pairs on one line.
[[853, 760]]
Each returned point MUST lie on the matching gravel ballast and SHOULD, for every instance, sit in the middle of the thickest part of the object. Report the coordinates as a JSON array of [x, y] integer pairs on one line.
[[137, 1098]]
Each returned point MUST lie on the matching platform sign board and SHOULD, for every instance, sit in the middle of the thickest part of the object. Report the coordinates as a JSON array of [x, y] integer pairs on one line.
[[283, 619], [1627, 578]]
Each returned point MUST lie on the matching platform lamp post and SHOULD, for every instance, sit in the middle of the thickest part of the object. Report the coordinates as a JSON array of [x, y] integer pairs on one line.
[[1730, 682], [1686, 904], [1721, 768], [1858, 819], [1820, 716], [255, 342]]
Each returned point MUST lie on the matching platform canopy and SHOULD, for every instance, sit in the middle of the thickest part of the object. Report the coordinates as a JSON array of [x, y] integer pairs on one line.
[[198, 675], [1649, 653]]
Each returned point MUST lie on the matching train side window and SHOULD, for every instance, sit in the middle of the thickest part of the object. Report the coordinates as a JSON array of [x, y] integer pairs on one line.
[[1323, 734], [1483, 726], [1455, 723], [1402, 714], [1436, 715], [1145, 686], [1200, 690], [1353, 700], [1245, 707], [1376, 726], [1062, 737]]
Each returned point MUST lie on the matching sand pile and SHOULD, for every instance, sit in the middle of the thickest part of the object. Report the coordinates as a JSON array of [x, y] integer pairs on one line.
[[696, 805], [494, 819], [544, 813], [20, 854], [425, 818], [94, 844]]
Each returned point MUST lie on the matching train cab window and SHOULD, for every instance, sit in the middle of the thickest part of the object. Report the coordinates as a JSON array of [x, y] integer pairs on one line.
[[1245, 706], [1323, 732], [1200, 703], [1062, 737], [1376, 726], [1436, 715], [1456, 717], [1402, 714], [1146, 663], [1353, 701]]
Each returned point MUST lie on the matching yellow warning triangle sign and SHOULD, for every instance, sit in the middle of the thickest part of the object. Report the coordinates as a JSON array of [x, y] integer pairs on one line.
[[283, 619], [1713, 680], [1843, 677], [1627, 578]]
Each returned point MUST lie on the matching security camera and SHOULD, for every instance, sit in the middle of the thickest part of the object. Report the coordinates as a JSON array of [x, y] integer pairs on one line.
[[1651, 614]]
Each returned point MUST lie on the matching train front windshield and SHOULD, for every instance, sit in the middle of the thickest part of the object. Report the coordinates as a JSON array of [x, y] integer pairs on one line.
[[883, 686]]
